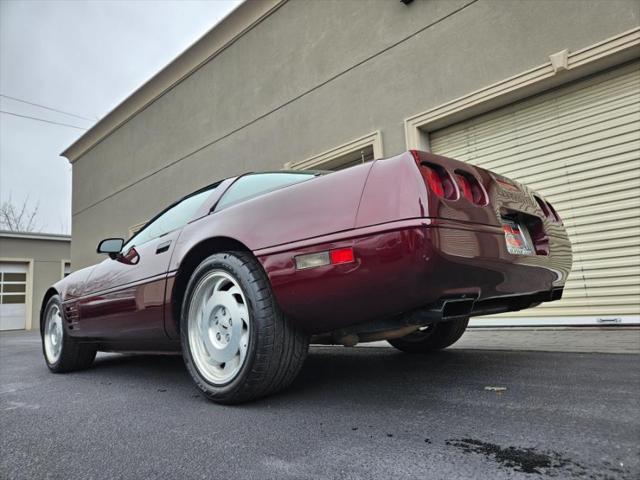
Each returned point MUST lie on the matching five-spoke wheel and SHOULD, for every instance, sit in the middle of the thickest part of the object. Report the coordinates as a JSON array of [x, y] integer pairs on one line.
[[62, 353], [53, 334], [236, 343], [219, 327]]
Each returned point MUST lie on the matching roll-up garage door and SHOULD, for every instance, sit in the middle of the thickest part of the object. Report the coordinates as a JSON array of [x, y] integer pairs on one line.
[[13, 296], [580, 146]]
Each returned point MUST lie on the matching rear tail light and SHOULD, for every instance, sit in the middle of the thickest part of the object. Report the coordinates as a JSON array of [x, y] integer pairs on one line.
[[471, 188], [438, 180], [539, 237], [329, 257], [555, 214], [465, 188], [433, 181], [442, 184], [548, 210], [543, 206]]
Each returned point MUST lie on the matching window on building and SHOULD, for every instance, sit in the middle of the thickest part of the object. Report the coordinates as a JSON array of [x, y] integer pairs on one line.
[[350, 159], [352, 153], [13, 287], [66, 269]]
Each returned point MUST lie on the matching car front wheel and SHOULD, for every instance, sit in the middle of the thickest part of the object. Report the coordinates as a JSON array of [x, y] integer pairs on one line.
[[62, 353], [432, 337], [237, 344]]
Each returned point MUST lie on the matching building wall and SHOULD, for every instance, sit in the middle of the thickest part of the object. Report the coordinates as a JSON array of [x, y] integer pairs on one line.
[[47, 256], [312, 76]]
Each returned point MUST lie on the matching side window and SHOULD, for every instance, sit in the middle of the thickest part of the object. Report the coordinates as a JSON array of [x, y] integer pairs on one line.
[[174, 218], [255, 184]]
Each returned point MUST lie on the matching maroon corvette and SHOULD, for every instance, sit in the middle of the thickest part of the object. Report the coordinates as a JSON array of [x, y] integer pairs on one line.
[[242, 275]]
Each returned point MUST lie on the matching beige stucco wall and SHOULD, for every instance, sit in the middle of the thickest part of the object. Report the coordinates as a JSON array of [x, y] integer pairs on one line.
[[47, 257], [312, 76]]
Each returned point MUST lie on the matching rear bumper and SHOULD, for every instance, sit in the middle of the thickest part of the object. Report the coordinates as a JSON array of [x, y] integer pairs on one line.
[[416, 265]]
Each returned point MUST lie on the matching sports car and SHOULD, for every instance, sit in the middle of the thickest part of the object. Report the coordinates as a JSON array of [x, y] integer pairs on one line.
[[242, 275]]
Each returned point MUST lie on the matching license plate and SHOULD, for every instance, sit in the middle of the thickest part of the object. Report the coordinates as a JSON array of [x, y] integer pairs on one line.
[[516, 237]]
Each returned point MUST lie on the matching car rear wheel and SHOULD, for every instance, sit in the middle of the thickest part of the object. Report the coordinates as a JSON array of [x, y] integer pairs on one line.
[[237, 344], [432, 337], [62, 353]]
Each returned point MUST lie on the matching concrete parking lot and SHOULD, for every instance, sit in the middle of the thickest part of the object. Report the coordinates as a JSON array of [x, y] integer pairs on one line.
[[352, 413]]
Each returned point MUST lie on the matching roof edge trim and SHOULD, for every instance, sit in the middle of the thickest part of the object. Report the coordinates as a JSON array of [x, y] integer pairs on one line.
[[238, 22]]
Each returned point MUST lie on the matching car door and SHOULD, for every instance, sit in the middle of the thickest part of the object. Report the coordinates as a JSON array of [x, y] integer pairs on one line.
[[124, 297]]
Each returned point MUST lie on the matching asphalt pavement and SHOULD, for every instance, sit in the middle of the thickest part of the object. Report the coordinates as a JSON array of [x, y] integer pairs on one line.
[[364, 413]]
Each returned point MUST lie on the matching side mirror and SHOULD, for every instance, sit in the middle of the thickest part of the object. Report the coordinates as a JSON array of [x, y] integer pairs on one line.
[[111, 246]]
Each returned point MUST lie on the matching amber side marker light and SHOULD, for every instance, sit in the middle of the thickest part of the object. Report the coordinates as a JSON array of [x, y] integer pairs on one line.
[[320, 259]]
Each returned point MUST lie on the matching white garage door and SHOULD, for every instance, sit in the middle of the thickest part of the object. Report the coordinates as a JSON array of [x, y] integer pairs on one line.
[[580, 146], [13, 296]]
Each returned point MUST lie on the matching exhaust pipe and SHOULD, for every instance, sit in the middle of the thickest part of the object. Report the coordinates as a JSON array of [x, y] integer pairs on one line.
[[352, 339], [457, 307]]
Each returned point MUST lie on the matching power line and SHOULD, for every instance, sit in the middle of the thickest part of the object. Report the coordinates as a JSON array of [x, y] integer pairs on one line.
[[43, 120], [47, 108]]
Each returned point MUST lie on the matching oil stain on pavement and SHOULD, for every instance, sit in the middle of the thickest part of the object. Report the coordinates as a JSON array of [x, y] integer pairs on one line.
[[530, 460]]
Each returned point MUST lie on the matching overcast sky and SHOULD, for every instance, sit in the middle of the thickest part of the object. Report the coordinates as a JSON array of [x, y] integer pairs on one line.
[[82, 57]]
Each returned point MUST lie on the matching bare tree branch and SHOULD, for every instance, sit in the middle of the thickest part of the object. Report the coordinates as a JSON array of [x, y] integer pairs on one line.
[[18, 219]]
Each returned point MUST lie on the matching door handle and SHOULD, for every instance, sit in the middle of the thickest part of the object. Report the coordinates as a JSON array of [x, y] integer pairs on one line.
[[163, 247]]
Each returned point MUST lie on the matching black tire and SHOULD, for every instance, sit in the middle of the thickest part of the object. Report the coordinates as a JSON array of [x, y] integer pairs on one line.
[[276, 348], [74, 354], [435, 337]]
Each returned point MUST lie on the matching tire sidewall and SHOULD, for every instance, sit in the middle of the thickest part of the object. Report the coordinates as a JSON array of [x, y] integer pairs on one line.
[[234, 266], [54, 300]]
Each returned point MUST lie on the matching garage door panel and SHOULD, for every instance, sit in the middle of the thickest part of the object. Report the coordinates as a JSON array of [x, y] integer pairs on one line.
[[529, 116], [13, 295], [578, 145], [549, 177], [621, 183], [612, 209], [589, 311], [624, 294], [603, 225], [602, 201], [572, 217], [577, 284], [607, 248], [604, 264], [553, 139], [624, 151], [622, 281], [569, 101], [570, 124], [556, 179], [615, 252], [592, 177], [616, 271], [610, 291], [623, 300], [559, 150], [570, 159]]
